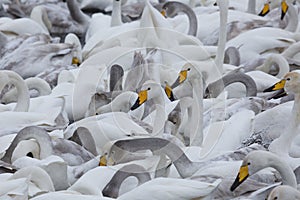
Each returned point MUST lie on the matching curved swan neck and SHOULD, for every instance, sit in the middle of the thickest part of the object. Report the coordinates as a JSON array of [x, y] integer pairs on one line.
[[215, 88], [113, 186], [184, 166], [287, 174], [23, 99], [39, 15], [251, 6], [223, 6], [38, 84], [278, 59], [232, 56], [292, 50], [116, 78], [181, 7], [31, 132], [76, 13], [116, 17]]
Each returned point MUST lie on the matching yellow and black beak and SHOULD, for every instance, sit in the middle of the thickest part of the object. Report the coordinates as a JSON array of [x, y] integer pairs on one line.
[[75, 61], [277, 86], [241, 177], [164, 13], [140, 100], [181, 78], [265, 10], [284, 9], [103, 161], [169, 92]]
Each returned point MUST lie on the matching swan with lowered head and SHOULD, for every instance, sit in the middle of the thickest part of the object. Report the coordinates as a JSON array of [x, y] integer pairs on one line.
[[33, 83], [72, 153]]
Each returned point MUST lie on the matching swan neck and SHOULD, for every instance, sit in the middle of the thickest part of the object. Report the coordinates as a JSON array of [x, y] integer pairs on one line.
[[223, 6], [159, 121], [196, 129], [40, 135], [287, 174], [23, 99], [116, 15], [193, 24], [113, 186], [293, 20], [38, 84], [251, 6], [158, 146], [39, 15], [296, 110], [76, 13]]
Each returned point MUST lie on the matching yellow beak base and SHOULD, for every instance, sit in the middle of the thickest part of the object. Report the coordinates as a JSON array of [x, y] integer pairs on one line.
[[169, 93], [141, 99], [241, 177], [164, 13], [265, 10], [284, 9], [75, 61], [276, 86], [103, 161]]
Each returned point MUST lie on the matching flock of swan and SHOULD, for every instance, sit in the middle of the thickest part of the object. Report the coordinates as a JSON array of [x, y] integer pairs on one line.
[[149, 99]]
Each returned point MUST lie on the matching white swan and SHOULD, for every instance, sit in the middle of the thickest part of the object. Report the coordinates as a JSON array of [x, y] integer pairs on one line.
[[34, 83], [281, 146], [28, 26], [29, 111], [258, 160], [284, 192], [72, 153]]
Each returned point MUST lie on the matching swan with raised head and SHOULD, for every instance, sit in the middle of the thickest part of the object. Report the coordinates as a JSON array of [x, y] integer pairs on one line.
[[282, 146]]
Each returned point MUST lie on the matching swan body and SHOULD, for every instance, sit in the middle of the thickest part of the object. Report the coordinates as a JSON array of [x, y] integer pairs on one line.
[[26, 25], [182, 189], [248, 51]]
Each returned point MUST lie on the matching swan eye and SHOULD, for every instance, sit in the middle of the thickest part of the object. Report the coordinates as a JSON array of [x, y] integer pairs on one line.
[[189, 69], [288, 79], [248, 163], [149, 88], [97, 113], [275, 198]]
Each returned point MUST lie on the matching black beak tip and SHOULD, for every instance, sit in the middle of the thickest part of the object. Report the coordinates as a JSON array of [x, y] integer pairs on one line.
[[135, 105], [262, 15], [282, 15], [236, 183], [270, 89]]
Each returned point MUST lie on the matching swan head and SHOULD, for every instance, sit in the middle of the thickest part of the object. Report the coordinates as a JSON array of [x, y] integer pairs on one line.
[[188, 72], [149, 90], [252, 163], [290, 83], [265, 10], [283, 192], [268, 5], [169, 9]]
